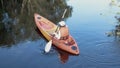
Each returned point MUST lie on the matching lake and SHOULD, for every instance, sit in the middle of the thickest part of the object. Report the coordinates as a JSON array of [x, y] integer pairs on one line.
[[22, 45]]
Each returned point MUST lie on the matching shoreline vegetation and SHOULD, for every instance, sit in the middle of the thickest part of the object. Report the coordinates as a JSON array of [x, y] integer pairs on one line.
[[16, 18]]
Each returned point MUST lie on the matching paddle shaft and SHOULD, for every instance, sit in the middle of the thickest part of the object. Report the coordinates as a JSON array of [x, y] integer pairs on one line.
[[64, 13], [62, 18]]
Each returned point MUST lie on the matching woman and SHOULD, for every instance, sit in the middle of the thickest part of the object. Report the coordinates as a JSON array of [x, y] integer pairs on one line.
[[64, 31]]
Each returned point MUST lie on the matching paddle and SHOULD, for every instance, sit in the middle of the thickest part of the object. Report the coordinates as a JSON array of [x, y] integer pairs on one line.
[[57, 32], [48, 46], [57, 35]]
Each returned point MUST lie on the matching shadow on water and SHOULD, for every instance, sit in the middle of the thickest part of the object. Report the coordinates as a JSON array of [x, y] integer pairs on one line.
[[17, 22]]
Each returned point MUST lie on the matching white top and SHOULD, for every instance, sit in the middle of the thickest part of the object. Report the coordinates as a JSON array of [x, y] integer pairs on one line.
[[62, 23]]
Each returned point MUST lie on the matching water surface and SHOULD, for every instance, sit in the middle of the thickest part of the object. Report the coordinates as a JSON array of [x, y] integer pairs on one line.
[[88, 21]]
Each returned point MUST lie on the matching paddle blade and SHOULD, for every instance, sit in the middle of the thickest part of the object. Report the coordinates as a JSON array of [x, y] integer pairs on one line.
[[48, 46]]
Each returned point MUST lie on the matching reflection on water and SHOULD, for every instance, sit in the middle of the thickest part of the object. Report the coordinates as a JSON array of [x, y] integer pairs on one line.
[[115, 4], [17, 22], [63, 56]]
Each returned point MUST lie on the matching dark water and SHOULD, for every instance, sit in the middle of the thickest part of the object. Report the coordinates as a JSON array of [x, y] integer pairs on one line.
[[23, 47]]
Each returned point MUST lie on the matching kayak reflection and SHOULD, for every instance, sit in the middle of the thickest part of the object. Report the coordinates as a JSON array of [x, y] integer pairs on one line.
[[63, 56]]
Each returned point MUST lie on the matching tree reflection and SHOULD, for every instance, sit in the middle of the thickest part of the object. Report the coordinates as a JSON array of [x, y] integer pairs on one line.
[[116, 31], [17, 22]]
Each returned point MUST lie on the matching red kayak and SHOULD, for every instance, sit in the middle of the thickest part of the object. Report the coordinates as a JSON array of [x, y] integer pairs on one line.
[[47, 27]]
